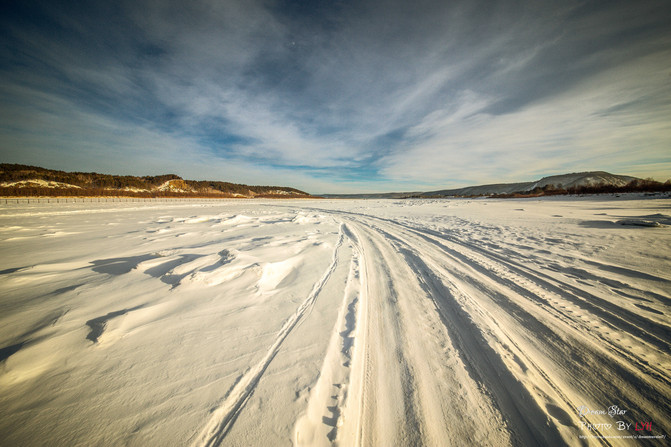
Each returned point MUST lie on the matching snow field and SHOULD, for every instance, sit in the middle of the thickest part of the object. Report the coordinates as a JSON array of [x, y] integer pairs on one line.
[[428, 322]]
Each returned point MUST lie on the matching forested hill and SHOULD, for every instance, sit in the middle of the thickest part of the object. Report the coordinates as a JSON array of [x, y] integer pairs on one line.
[[22, 180]]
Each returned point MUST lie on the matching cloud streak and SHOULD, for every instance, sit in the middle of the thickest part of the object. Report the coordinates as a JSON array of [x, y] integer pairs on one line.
[[339, 96]]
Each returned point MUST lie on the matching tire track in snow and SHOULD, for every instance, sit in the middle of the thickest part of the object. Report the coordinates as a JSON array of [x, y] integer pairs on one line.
[[535, 322], [390, 413], [224, 416], [324, 415], [608, 376], [351, 433], [621, 319], [402, 399], [617, 318], [519, 278], [525, 419], [528, 420], [577, 353], [369, 398]]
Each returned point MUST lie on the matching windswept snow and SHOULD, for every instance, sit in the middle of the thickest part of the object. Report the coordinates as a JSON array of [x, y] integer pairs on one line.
[[426, 322], [175, 185], [38, 183]]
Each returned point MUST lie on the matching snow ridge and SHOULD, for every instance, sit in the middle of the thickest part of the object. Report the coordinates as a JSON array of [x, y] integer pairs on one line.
[[322, 323], [224, 417]]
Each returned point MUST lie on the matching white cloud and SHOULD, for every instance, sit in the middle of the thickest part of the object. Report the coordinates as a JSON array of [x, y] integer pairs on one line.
[[595, 125], [432, 93]]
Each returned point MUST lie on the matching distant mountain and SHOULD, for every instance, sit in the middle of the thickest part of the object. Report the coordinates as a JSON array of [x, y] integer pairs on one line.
[[558, 182], [577, 183], [21, 180]]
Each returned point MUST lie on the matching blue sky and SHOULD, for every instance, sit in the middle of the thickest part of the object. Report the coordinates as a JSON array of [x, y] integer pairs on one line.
[[338, 96]]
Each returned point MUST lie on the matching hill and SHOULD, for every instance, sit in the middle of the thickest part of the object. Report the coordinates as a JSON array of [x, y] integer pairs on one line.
[[566, 182], [593, 182], [22, 180]]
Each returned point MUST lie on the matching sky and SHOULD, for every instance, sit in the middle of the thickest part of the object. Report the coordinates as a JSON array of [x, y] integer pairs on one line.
[[338, 96]]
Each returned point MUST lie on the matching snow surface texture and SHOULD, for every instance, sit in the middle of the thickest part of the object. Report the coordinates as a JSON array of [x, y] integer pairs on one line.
[[434, 322]]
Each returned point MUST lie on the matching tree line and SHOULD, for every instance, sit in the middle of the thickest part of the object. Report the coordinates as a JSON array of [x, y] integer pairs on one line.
[[105, 185], [638, 185]]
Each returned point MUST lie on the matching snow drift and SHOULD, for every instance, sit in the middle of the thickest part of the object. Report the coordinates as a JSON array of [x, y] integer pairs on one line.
[[428, 322]]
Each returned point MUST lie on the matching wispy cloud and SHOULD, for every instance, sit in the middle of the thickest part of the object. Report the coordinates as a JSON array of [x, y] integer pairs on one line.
[[339, 96], [610, 120]]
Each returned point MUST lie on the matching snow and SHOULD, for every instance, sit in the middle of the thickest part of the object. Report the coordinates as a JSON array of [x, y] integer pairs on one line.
[[175, 186], [583, 179], [132, 189], [346, 322], [38, 183], [281, 192]]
